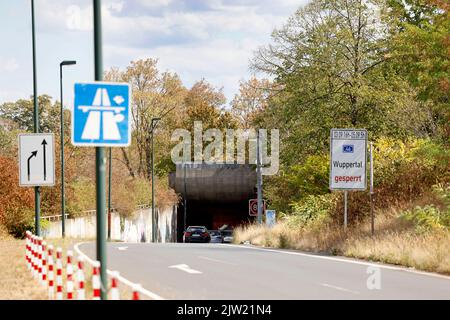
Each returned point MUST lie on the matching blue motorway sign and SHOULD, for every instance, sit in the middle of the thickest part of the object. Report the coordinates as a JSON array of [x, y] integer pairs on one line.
[[101, 115]]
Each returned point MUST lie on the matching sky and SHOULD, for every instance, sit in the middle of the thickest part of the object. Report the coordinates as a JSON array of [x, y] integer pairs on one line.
[[211, 39]]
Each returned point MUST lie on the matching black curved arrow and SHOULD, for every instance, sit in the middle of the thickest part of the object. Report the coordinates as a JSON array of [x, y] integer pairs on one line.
[[33, 154], [44, 147]]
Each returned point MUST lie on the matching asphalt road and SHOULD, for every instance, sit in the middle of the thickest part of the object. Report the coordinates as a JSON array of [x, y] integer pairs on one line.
[[216, 271]]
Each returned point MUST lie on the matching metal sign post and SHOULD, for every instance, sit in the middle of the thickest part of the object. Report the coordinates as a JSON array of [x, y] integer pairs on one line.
[[345, 209], [259, 178], [100, 160], [372, 217], [37, 192]]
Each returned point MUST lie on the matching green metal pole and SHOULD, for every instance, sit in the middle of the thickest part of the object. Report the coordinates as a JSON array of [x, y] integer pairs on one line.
[[100, 160], [109, 193], [63, 204], [37, 192]]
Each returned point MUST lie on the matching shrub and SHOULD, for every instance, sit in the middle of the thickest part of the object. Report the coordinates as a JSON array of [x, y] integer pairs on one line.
[[16, 203], [312, 209], [427, 218]]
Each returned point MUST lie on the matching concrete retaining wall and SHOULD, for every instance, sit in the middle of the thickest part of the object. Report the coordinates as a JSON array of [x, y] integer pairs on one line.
[[135, 229]]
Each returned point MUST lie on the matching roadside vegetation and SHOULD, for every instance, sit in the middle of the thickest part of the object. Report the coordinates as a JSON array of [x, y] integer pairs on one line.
[[380, 65]]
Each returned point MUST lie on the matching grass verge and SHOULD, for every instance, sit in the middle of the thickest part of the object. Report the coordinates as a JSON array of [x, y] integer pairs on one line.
[[395, 242]]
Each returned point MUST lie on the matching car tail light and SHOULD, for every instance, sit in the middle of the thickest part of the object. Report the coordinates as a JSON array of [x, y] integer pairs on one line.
[[187, 234], [204, 234]]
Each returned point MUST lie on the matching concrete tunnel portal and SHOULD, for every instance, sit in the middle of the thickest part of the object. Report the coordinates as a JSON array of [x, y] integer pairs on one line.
[[216, 195]]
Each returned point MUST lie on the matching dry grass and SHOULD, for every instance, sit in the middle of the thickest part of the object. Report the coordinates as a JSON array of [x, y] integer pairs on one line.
[[16, 282], [395, 242]]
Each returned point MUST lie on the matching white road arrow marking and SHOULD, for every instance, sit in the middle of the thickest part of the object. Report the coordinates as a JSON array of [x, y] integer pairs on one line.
[[122, 248], [185, 268]]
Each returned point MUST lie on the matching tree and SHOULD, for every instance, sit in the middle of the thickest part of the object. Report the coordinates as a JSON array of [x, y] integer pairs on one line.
[[155, 94], [420, 44], [330, 61], [253, 97], [21, 113], [16, 202]]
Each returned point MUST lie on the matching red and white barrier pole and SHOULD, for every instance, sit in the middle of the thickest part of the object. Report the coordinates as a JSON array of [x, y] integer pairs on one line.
[[27, 249], [44, 263], [51, 274], [115, 294], [81, 295], [34, 258], [39, 258], [69, 273], [136, 295], [59, 281], [96, 283]]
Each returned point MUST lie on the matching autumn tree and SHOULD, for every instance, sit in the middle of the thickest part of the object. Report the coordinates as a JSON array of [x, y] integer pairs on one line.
[[16, 202], [329, 58], [253, 97]]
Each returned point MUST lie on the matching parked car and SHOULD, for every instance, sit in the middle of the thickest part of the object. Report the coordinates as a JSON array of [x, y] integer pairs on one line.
[[216, 236], [196, 234], [227, 236]]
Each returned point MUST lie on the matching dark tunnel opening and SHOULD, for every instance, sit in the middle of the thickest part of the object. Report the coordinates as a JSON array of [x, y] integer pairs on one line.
[[217, 195]]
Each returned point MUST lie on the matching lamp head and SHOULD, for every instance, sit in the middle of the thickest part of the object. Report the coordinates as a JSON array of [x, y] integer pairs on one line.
[[68, 62]]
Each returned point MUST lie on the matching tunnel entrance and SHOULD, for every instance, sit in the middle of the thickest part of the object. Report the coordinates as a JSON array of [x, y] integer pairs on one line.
[[216, 195]]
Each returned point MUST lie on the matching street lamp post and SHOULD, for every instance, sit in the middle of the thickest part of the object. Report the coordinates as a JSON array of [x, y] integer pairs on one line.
[[153, 126], [259, 178], [37, 192], [63, 205]]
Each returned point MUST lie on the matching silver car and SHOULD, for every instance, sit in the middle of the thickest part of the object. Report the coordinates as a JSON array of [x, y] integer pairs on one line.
[[227, 236], [216, 236]]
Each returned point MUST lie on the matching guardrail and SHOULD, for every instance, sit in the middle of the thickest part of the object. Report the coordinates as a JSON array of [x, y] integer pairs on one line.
[[40, 262]]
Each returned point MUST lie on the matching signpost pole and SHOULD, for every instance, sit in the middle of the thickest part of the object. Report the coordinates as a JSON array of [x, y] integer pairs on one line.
[[372, 218], [109, 193], [259, 178], [37, 192], [100, 160], [345, 209]]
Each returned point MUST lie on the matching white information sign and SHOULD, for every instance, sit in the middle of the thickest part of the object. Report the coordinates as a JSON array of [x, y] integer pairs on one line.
[[348, 157], [36, 159]]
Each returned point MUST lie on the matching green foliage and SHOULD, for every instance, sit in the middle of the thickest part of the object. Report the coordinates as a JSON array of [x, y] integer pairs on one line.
[[405, 169], [427, 218], [21, 113], [312, 209], [420, 52], [82, 196], [298, 181]]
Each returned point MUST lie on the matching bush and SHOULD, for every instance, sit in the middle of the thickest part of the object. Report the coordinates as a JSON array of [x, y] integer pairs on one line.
[[16, 203], [430, 217], [312, 209]]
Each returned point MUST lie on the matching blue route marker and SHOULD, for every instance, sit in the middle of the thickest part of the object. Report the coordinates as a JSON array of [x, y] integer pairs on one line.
[[101, 115]]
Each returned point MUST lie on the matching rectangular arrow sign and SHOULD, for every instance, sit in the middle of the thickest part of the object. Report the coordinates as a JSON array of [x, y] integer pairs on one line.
[[36, 159]]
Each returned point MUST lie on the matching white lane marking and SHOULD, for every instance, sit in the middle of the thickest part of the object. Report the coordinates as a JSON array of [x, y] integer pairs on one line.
[[185, 268], [122, 279], [122, 248], [338, 288], [218, 261], [380, 265]]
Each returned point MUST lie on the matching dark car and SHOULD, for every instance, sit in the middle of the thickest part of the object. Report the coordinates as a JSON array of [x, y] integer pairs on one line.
[[196, 234], [216, 236]]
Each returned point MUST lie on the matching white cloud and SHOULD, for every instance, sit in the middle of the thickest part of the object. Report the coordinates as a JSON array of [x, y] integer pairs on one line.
[[8, 64]]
